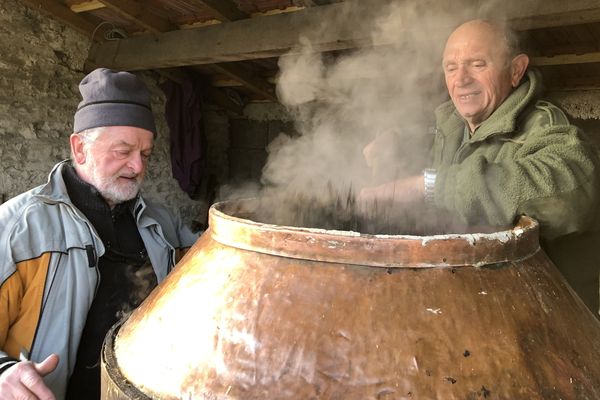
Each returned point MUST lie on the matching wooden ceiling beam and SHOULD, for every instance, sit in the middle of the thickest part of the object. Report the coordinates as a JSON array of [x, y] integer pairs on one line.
[[305, 3], [138, 14], [132, 10], [220, 98], [576, 17], [573, 84], [223, 10], [86, 6], [274, 35], [564, 59], [213, 95], [261, 37], [62, 13], [248, 79]]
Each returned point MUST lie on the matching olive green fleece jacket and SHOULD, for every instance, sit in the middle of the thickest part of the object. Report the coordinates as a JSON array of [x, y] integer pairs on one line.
[[526, 158]]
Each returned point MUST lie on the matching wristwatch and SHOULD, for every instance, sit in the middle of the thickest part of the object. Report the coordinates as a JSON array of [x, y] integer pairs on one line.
[[429, 175]]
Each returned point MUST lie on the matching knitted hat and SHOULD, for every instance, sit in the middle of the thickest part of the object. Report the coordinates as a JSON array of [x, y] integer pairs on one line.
[[112, 98]]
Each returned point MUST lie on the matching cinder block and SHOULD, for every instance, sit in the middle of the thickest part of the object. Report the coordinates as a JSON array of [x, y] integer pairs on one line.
[[248, 134]]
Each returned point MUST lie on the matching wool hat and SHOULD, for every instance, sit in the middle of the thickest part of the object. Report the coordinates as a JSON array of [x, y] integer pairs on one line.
[[113, 98]]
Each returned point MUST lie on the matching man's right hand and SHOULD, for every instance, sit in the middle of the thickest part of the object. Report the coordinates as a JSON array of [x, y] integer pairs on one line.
[[24, 380]]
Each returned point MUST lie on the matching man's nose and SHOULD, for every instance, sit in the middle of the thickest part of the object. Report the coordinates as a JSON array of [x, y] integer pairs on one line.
[[463, 76], [136, 163]]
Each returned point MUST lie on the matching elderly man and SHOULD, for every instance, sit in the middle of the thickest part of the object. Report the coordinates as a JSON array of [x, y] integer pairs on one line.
[[500, 151], [83, 249]]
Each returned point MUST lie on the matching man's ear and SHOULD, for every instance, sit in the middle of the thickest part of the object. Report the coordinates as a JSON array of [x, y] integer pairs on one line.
[[518, 67], [77, 148]]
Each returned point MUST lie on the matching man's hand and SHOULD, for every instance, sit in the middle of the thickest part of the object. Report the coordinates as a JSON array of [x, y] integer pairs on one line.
[[382, 150], [407, 190], [24, 380]]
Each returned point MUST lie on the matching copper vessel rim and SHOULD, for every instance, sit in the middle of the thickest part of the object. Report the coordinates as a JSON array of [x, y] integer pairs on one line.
[[388, 251]]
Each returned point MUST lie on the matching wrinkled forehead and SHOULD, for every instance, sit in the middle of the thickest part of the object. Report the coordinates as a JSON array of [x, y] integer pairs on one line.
[[476, 40]]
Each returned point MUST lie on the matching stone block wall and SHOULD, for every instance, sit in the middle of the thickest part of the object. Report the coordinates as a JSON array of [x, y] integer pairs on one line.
[[40, 69]]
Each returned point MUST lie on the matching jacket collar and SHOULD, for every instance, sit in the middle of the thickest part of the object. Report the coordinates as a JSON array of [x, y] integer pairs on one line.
[[502, 120], [55, 190]]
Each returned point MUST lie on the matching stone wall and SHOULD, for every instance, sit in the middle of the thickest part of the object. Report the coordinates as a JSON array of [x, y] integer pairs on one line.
[[40, 68]]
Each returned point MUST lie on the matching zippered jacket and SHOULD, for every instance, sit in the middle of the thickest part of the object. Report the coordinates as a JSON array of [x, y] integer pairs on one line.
[[49, 274], [526, 158]]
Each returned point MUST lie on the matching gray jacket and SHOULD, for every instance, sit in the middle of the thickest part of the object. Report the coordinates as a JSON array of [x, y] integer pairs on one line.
[[49, 255]]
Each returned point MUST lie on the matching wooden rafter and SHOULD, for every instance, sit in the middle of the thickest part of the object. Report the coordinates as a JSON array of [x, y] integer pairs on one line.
[[137, 13], [130, 9], [65, 15], [274, 35], [87, 6], [248, 79], [564, 59], [62, 13], [305, 3], [217, 96], [261, 37], [133, 11], [223, 10], [580, 16]]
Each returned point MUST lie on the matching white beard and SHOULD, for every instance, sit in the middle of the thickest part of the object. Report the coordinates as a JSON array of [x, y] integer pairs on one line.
[[110, 188]]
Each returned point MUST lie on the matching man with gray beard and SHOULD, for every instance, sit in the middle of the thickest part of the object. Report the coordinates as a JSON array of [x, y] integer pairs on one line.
[[501, 150], [82, 250]]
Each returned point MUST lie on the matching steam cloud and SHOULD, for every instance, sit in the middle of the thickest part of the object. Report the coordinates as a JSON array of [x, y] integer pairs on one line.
[[342, 100]]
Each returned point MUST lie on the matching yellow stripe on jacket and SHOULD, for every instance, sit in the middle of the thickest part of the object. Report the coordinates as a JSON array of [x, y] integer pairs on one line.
[[21, 298]]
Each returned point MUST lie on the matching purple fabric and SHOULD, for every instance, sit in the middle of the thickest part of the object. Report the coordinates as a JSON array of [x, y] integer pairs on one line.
[[183, 111]]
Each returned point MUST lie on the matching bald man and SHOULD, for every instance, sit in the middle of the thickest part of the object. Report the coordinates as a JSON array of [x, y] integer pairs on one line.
[[501, 151]]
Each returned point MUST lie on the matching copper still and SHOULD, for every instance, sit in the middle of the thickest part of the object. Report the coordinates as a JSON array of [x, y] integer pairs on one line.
[[260, 311]]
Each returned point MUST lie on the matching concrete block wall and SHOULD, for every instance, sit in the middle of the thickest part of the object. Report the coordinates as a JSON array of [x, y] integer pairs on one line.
[[249, 139]]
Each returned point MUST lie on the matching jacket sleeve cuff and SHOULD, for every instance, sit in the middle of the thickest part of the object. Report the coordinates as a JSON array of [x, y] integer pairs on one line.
[[6, 363]]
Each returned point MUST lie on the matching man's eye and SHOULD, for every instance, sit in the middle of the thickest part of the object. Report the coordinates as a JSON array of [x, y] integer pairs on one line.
[[146, 155], [479, 64], [122, 153], [450, 68]]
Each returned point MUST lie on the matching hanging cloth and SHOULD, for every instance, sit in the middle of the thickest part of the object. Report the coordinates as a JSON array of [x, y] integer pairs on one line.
[[185, 118]]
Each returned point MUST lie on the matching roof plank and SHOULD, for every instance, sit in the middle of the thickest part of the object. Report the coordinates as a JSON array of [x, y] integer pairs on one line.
[[223, 10], [64, 14], [137, 13]]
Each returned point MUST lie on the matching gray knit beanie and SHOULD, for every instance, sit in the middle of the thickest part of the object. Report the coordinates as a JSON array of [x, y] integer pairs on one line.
[[112, 98]]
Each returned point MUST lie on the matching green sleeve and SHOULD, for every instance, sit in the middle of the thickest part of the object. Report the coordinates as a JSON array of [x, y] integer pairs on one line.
[[551, 177]]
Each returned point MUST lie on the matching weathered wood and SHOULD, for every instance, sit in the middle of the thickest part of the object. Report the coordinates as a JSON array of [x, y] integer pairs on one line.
[[563, 59], [580, 16], [222, 99], [248, 79], [272, 36], [223, 10], [64, 14], [135, 12], [260, 37], [213, 95], [305, 3], [86, 6]]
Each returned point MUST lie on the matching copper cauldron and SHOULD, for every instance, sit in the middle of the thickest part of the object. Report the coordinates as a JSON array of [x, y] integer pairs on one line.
[[258, 311]]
